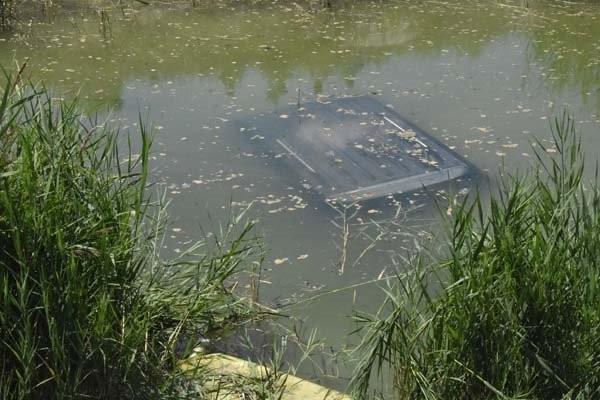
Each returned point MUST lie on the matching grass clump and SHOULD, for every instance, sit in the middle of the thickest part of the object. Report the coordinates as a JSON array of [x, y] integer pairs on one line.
[[87, 310], [514, 312]]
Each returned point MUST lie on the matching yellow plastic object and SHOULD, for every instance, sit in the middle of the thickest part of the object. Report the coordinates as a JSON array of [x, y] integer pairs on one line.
[[221, 367]]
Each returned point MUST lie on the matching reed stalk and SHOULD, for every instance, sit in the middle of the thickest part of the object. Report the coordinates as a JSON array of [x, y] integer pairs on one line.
[[514, 310], [87, 307]]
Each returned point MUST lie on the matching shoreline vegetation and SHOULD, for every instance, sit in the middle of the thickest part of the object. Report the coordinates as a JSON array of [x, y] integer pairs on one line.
[[513, 313], [88, 309], [16, 12]]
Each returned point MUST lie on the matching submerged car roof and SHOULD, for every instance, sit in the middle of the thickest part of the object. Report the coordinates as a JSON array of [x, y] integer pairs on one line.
[[355, 148]]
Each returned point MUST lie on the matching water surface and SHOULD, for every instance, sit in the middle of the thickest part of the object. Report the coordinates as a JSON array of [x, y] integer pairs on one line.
[[485, 78]]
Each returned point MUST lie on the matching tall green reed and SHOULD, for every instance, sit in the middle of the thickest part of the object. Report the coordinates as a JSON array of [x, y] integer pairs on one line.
[[87, 309], [514, 312]]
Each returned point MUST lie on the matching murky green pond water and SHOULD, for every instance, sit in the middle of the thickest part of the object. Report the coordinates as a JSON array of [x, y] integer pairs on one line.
[[483, 77]]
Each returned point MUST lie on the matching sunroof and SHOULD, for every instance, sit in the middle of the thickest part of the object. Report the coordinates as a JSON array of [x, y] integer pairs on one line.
[[355, 148]]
